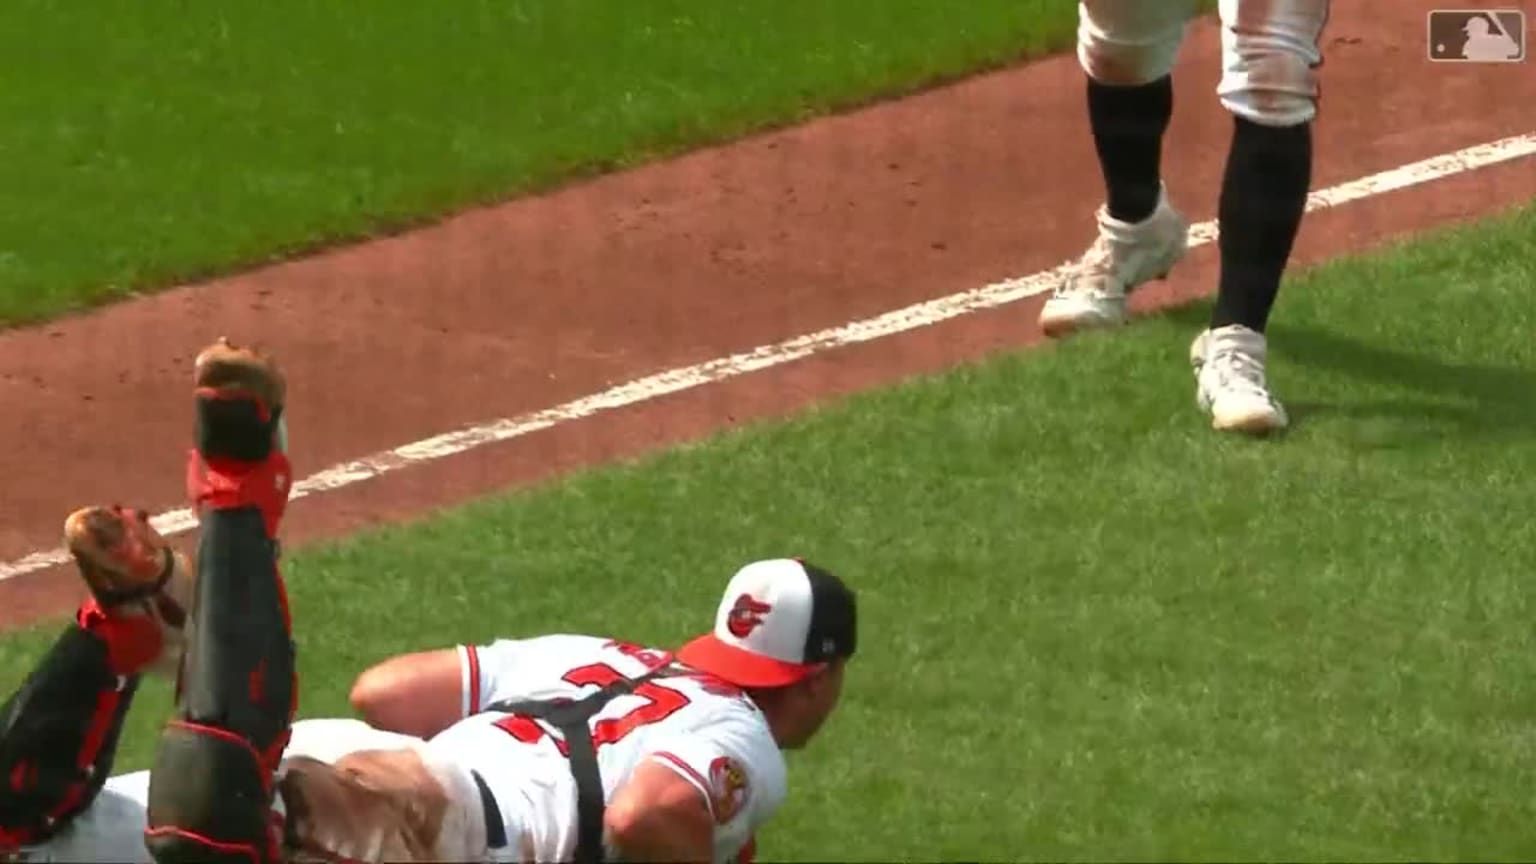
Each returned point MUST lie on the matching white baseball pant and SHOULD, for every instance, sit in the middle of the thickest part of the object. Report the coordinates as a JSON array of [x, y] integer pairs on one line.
[[1269, 50]]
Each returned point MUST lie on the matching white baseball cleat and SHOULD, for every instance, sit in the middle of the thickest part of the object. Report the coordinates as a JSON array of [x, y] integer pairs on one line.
[[1230, 382], [1123, 257]]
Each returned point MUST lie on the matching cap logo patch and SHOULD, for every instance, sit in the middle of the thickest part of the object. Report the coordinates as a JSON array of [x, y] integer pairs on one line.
[[746, 615]]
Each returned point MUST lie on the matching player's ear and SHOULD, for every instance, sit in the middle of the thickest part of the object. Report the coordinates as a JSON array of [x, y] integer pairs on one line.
[[812, 686]]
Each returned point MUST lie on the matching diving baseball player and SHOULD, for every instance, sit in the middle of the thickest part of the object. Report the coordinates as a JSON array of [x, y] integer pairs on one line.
[[1270, 50], [551, 748]]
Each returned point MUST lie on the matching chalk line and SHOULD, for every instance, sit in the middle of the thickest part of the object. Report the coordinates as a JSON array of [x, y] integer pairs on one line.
[[924, 314]]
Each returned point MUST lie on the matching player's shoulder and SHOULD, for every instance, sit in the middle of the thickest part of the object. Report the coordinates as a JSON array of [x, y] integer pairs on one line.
[[714, 695], [549, 645], [553, 640], [599, 658], [726, 713]]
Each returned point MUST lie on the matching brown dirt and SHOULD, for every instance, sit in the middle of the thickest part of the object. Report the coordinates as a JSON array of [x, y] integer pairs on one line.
[[522, 306]]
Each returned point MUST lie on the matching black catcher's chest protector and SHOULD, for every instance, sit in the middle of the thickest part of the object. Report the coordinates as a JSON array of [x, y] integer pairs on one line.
[[573, 719]]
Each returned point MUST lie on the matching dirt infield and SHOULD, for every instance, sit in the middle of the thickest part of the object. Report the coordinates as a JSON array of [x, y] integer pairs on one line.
[[519, 307]]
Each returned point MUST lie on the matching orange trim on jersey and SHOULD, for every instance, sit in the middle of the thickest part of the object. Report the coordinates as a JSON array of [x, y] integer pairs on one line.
[[474, 678], [677, 762]]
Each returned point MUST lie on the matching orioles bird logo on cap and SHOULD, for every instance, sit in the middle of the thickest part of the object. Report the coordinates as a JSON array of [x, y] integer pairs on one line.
[[746, 615]]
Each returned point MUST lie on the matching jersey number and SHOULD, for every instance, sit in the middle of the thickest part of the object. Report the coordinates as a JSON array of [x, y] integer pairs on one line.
[[661, 703]]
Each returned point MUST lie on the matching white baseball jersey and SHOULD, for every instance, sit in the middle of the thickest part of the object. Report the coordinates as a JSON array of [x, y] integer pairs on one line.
[[706, 731]]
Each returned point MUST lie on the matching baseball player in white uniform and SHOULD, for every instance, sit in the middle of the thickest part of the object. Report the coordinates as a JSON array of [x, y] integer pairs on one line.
[[552, 748], [1270, 51]]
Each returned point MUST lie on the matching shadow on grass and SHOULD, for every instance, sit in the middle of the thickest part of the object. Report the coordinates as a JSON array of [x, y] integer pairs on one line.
[[1462, 400]]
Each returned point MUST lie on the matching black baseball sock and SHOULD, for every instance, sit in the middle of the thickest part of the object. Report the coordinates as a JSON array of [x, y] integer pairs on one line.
[[1263, 196], [1128, 125]]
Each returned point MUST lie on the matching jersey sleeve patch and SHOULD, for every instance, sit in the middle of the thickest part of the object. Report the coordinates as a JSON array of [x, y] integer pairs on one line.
[[728, 788]]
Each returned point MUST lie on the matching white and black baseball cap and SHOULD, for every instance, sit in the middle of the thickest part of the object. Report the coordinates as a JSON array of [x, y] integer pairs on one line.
[[779, 621]]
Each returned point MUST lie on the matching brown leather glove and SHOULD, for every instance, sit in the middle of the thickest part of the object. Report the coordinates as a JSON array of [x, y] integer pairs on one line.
[[132, 570]]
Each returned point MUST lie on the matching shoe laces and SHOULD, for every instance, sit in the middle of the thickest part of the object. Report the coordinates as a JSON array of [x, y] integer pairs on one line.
[[1237, 369], [1100, 262]]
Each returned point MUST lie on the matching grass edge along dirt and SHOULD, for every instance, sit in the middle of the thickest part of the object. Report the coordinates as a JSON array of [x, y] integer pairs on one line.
[[223, 139], [1091, 627], [206, 138]]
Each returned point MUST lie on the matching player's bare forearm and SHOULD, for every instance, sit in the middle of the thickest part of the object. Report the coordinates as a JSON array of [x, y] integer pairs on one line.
[[657, 841], [658, 816], [417, 694]]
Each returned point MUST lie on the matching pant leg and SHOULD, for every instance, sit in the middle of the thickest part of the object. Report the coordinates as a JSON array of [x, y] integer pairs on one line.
[[1270, 51], [1128, 42]]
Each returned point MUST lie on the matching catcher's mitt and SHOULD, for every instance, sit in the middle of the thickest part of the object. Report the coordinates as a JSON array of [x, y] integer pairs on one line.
[[132, 570]]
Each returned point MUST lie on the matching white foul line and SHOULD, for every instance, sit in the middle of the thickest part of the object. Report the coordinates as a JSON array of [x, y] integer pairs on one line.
[[898, 321]]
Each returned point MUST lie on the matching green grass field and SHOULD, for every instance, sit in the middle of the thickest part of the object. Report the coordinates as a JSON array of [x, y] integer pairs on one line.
[[1092, 629], [147, 143]]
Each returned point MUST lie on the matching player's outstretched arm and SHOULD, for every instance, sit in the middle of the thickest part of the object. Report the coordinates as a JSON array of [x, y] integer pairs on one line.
[[418, 694], [659, 816], [425, 692]]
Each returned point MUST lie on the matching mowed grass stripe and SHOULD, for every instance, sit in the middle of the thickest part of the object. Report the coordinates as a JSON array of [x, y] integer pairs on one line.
[[1092, 628], [147, 143]]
